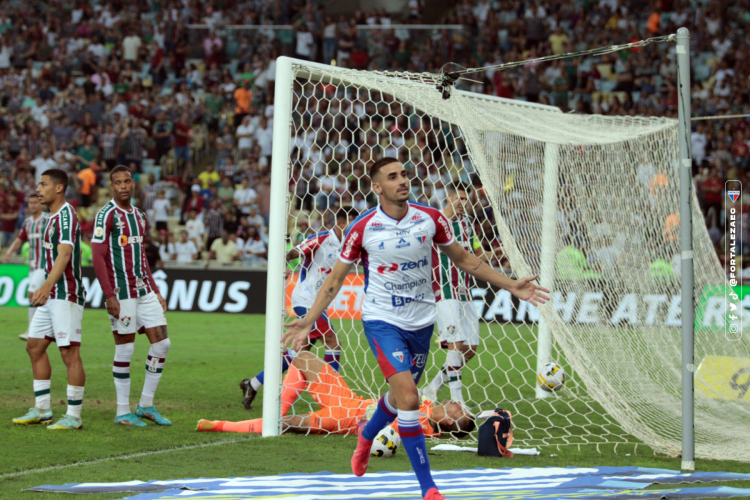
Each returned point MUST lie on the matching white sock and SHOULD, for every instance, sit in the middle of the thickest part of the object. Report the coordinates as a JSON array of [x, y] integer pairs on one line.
[[121, 375], [41, 394], [32, 312], [439, 381], [75, 401], [255, 383], [455, 361], [154, 366]]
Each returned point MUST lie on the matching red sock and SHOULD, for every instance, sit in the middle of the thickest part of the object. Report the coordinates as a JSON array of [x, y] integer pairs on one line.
[[294, 384], [246, 426]]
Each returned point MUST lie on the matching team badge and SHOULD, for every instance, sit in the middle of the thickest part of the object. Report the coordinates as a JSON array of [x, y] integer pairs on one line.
[[125, 321], [399, 356], [99, 232], [51, 231], [139, 283], [733, 195], [421, 236]]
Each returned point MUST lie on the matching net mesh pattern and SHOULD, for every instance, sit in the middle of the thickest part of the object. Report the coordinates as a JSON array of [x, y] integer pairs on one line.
[[615, 251]]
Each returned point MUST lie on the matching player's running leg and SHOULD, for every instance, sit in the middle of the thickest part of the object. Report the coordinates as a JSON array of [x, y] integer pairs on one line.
[[41, 413], [157, 355], [401, 356]]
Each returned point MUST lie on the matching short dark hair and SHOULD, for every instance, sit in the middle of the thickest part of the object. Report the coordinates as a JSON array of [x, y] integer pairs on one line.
[[375, 167], [346, 213], [58, 177], [455, 187], [459, 428], [117, 170]]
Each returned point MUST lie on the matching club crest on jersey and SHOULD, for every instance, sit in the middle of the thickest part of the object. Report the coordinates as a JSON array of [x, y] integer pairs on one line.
[[139, 283], [377, 226], [421, 236], [125, 321], [402, 243], [733, 195], [399, 356]]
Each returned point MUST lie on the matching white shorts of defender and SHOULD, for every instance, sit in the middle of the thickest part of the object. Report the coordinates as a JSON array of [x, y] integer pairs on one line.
[[143, 312], [36, 280], [457, 321], [58, 321]]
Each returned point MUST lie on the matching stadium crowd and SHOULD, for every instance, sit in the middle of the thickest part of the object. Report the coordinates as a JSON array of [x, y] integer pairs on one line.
[[187, 104]]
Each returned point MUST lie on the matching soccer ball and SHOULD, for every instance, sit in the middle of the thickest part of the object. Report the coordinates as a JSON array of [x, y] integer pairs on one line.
[[385, 443], [551, 377]]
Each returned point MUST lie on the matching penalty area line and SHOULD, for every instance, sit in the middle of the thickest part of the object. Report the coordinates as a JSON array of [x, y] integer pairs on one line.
[[127, 456]]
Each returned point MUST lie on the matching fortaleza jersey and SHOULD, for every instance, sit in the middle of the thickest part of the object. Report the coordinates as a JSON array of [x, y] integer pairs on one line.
[[450, 281], [32, 232], [397, 260], [62, 228], [122, 231], [319, 254]]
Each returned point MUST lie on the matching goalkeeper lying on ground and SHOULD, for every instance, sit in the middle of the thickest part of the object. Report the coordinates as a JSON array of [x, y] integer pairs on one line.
[[340, 408]]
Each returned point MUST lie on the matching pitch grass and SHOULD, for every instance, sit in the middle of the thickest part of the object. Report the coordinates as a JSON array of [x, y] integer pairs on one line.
[[210, 354]]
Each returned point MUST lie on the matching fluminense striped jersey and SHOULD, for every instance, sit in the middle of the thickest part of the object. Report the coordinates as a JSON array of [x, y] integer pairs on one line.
[[450, 281], [62, 228], [32, 232], [122, 231]]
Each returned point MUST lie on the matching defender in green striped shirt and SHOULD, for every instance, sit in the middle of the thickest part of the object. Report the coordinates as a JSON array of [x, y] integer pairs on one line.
[[458, 324]]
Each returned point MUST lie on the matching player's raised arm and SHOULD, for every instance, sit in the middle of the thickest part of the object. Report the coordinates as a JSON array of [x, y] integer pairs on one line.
[[522, 288], [299, 329]]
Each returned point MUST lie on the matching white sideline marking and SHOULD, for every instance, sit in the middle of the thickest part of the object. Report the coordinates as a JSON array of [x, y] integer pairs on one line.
[[128, 456]]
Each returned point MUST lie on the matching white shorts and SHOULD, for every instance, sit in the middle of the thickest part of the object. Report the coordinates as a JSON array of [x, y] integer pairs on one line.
[[58, 321], [457, 322], [137, 314], [36, 280]]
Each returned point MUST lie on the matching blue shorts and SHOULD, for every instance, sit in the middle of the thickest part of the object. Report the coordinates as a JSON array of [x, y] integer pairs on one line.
[[399, 350], [182, 152], [322, 327]]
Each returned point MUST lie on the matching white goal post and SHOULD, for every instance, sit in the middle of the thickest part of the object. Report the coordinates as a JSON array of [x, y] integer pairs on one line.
[[560, 188]]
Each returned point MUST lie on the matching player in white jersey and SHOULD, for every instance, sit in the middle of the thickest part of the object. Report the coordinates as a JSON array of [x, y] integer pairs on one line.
[[31, 232], [394, 242], [457, 320], [319, 253]]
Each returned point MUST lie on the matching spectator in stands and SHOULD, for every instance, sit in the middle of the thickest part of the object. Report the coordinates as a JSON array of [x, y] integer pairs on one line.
[[254, 249], [225, 194], [244, 198], [182, 138], [161, 210], [11, 210], [213, 221], [195, 202], [209, 177], [167, 250], [195, 228], [185, 250], [223, 249], [244, 135]]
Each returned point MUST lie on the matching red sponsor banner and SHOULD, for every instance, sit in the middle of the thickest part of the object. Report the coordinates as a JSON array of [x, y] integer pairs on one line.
[[346, 305]]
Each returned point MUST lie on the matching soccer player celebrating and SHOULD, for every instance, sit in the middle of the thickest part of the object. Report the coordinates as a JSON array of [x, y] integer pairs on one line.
[[60, 306], [340, 408], [320, 252], [394, 241], [31, 232], [457, 320], [134, 303]]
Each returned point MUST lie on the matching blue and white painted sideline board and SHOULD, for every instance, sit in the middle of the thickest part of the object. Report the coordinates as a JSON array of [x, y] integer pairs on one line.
[[580, 483]]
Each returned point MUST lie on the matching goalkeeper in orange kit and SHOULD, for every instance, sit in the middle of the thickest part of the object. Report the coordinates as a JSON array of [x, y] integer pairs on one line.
[[340, 408]]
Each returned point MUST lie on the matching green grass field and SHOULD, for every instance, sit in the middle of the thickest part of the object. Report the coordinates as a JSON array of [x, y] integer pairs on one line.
[[210, 354]]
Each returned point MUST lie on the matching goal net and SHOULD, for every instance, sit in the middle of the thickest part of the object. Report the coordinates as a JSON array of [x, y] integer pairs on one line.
[[590, 202]]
